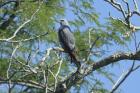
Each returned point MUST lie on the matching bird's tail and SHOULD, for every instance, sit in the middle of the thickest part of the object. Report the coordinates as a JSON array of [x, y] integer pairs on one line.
[[74, 59]]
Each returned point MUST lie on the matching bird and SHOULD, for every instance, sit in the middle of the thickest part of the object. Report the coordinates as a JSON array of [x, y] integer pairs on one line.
[[67, 41]]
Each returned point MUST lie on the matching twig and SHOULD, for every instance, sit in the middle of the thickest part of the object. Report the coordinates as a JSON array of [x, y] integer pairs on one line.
[[9, 66], [91, 47], [127, 14], [22, 25], [118, 6], [125, 75], [28, 39], [56, 75], [137, 67], [136, 5], [30, 69], [122, 78], [48, 53], [24, 83], [45, 81]]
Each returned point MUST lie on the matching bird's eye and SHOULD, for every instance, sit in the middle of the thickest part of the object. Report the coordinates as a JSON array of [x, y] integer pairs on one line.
[[61, 20]]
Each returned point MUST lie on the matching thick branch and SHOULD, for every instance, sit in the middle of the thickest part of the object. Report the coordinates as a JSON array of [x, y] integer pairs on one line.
[[63, 86], [116, 58]]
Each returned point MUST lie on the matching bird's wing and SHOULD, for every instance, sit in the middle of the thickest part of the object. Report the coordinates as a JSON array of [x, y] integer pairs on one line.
[[67, 38]]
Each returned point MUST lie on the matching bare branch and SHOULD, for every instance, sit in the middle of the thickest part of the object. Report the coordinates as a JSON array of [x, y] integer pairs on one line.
[[24, 83], [136, 5], [75, 77], [5, 3], [9, 66], [118, 6], [122, 78], [48, 53], [56, 75], [127, 14], [135, 12], [45, 81], [25, 40], [22, 25], [137, 67]]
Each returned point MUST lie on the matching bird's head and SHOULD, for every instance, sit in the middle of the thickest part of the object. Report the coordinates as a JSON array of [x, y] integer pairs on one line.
[[64, 22]]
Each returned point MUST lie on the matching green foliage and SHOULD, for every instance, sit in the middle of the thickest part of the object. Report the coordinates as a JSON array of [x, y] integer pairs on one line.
[[3, 67], [117, 31], [81, 43], [86, 28]]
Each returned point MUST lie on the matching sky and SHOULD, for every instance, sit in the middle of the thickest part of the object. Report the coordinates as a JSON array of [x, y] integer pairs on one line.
[[131, 84]]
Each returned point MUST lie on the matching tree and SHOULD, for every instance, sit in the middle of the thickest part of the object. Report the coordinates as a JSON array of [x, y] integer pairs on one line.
[[31, 60]]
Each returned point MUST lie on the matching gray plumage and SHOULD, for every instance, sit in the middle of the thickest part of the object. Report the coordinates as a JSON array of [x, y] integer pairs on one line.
[[66, 37], [67, 41]]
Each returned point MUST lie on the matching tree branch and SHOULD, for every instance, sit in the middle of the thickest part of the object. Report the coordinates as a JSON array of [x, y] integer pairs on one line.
[[22, 25], [6, 23], [63, 86], [25, 40], [24, 83], [122, 78]]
